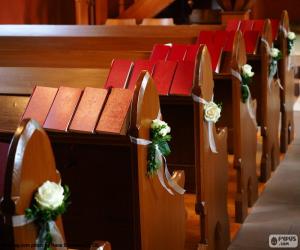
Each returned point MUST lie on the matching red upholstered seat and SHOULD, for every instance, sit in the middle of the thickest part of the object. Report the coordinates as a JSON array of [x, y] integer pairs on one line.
[[177, 52], [220, 38], [233, 25], [160, 52], [163, 75], [183, 79], [246, 25], [138, 67], [251, 41], [119, 73]]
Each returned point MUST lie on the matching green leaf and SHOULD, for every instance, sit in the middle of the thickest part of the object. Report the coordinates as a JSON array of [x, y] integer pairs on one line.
[[164, 148]]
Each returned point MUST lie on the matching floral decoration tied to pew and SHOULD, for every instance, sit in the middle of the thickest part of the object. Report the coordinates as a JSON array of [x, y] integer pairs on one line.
[[50, 201]]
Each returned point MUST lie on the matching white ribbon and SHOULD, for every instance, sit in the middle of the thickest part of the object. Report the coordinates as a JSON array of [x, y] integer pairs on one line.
[[283, 29], [57, 239], [275, 70], [160, 159], [248, 104], [211, 138]]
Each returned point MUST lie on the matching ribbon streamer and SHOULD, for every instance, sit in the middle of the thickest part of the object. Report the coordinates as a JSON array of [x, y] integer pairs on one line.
[[160, 159], [248, 104], [263, 40], [211, 138], [57, 239], [283, 29]]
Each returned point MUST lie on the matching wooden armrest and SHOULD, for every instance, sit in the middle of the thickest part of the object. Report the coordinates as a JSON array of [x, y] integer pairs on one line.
[[179, 177], [101, 245]]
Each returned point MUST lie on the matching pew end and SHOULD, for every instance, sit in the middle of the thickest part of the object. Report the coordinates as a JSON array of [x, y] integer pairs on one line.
[[30, 163], [100, 245], [211, 196]]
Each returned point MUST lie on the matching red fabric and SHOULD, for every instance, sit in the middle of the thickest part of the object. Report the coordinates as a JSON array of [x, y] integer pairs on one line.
[[205, 37], [160, 52], [251, 41], [191, 53], [258, 25], [177, 52], [275, 27], [246, 25], [163, 75], [138, 66], [183, 79], [119, 73], [230, 39], [233, 25]]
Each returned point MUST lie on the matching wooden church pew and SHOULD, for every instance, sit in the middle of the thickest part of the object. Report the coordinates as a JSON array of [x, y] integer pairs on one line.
[[122, 202], [242, 127], [30, 147], [23, 167], [180, 80], [218, 207], [286, 76]]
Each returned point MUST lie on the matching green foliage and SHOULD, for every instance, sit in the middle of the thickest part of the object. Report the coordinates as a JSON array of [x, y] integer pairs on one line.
[[246, 81], [290, 45], [159, 142]]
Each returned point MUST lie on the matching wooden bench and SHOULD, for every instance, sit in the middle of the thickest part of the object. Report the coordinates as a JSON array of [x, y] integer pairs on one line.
[[240, 116], [204, 159], [133, 222], [23, 167]]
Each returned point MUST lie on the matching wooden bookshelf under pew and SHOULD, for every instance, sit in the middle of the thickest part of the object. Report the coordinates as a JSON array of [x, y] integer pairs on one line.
[[116, 198], [29, 160], [238, 116], [176, 82]]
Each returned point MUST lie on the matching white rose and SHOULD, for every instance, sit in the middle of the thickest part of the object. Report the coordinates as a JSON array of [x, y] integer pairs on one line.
[[164, 131], [212, 112], [157, 123], [291, 35], [247, 70], [274, 52], [50, 195]]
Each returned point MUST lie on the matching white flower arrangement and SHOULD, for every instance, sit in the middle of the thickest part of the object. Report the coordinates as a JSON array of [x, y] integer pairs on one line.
[[50, 201], [276, 55], [291, 37], [159, 142], [212, 112], [247, 71], [247, 75]]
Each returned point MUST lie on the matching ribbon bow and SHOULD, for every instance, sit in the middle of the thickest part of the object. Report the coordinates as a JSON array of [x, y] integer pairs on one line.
[[57, 239], [275, 70], [161, 160], [211, 138], [249, 107]]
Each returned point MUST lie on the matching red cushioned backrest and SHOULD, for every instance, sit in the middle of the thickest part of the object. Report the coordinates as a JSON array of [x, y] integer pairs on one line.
[[160, 52], [233, 25], [191, 53], [177, 52], [251, 41], [3, 160], [275, 27], [163, 75], [258, 25], [246, 25], [138, 66], [183, 79], [119, 73]]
